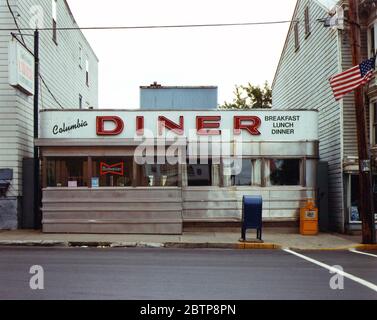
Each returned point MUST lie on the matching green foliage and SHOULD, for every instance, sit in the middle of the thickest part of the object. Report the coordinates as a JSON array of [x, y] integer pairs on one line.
[[250, 97]]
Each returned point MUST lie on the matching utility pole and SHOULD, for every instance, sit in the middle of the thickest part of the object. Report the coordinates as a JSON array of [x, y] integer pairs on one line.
[[365, 199], [37, 198]]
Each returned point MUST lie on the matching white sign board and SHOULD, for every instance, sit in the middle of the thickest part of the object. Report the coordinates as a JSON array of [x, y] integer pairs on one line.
[[21, 68], [258, 125]]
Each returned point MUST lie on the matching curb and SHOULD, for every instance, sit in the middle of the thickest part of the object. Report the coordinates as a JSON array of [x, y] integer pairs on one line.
[[171, 245], [234, 246], [34, 243], [365, 247]]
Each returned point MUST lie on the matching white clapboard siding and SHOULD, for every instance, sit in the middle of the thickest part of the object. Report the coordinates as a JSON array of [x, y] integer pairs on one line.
[[301, 81], [59, 66], [349, 117]]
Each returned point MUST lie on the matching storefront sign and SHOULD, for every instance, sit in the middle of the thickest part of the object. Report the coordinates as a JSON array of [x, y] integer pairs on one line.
[[112, 169], [21, 68], [258, 125]]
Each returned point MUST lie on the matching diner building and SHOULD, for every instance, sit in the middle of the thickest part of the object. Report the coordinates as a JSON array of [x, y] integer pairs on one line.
[[160, 171]]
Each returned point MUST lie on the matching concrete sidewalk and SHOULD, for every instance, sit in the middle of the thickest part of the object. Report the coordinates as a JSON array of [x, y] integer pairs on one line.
[[274, 238]]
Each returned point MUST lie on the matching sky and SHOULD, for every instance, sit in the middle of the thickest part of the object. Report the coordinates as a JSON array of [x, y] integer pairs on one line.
[[223, 57]]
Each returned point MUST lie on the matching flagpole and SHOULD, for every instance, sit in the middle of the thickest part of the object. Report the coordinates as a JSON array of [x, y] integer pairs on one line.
[[365, 197]]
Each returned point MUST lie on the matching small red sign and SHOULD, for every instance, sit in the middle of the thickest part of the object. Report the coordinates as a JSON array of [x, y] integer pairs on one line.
[[113, 169]]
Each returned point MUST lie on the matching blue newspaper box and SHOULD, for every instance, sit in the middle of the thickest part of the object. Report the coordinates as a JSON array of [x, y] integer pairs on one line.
[[252, 215]]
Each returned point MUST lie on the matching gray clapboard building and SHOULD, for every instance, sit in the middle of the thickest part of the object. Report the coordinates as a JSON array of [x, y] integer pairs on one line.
[[68, 79], [312, 54]]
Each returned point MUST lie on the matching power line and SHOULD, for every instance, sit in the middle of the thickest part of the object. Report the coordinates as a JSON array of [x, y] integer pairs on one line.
[[48, 89], [156, 26], [15, 21]]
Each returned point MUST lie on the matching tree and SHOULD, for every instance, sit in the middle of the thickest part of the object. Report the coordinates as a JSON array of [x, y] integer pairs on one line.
[[250, 97]]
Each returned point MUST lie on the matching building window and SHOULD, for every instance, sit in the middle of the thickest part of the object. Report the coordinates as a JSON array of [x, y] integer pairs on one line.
[[307, 22], [199, 175], [80, 56], [80, 101], [157, 175], [374, 122], [54, 21], [297, 39], [112, 172], [87, 72], [283, 172], [244, 169], [66, 172], [372, 40]]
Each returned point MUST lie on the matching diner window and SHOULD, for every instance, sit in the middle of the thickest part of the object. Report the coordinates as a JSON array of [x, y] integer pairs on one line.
[[243, 176], [296, 35], [112, 172], [199, 174], [54, 20], [157, 175], [283, 172], [307, 22], [66, 172]]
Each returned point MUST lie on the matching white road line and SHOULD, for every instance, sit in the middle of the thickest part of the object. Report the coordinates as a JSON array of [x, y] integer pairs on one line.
[[363, 282], [364, 253]]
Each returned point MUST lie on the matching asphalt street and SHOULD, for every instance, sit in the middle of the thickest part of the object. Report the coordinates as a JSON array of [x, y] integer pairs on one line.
[[200, 274]]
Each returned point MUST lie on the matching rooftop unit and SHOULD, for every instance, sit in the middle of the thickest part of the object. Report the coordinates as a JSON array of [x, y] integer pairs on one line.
[[158, 97]]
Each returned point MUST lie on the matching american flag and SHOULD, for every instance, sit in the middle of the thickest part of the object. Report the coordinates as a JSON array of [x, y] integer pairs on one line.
[[353, 78]]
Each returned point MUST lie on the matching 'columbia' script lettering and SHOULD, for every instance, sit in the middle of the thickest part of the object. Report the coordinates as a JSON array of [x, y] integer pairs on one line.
[[64, 128]]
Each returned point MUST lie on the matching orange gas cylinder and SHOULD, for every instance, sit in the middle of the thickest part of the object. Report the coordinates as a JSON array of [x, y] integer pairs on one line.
[[309, 219]]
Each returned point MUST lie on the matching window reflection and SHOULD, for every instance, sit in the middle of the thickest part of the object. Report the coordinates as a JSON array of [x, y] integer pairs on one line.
[[199, 174], [157, 175], [66, 172], [284, 172]]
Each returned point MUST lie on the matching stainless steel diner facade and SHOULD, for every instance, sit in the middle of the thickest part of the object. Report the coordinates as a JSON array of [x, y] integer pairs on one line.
[[156, 172]]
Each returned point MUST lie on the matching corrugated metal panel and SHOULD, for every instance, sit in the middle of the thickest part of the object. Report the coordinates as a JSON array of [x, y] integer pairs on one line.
[[302, 82]]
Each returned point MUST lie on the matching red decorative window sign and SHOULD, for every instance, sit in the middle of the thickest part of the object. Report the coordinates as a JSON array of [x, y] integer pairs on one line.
[[113, 169]]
